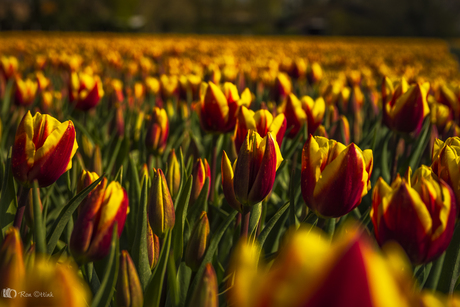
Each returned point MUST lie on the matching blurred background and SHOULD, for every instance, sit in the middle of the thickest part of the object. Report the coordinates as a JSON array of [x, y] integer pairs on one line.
[[432, 18]]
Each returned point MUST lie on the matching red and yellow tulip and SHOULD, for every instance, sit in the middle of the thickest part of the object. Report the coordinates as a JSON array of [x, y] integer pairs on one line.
[[85, 90], [160, 206], [157, 131]]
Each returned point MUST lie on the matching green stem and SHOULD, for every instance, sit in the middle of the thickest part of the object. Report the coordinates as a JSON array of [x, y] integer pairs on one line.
[[22, 202], [330, 226], [436, 270], [245, 222]]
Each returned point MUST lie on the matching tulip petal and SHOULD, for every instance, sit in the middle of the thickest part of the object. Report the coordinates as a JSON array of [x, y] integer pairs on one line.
[[23, 151], [227, 183]]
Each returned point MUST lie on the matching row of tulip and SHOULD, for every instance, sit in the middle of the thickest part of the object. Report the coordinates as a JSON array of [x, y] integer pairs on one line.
[[107, 195]]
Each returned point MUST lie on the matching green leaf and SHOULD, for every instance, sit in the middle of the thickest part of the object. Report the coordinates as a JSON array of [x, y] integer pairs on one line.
[[66, 214], [119, 176], [256, 212], [104, 295], [422, 142], [266, 231], [39, 230], [8, 200], [173, 284], [184, 275], [201, 204], [134, 193], [139, 250], [152, 293], [113, 156], [210, 252], [7, 97], [181, 214], [451, 267], [385, 161]]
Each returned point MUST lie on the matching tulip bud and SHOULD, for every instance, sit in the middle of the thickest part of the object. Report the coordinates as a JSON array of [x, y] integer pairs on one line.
[[447, 97], [314, 73], [295, 115], [42, 81], [85, 91], [25, 92], [129, 289], [200, 172], [255, 168], [160, 208], [173, 175], [334, 177], [205, 294], [153, 247], [11, 260], [43, 149], [281, 88], [417, 213], [198, 242], [9, 66], [157, 131], [92, 233], [86, 179]]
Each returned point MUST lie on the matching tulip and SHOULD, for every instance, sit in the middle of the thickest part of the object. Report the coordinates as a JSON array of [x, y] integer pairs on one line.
[[153, 247], [200, 172], [446, 165], [86, 179], [42, 81], [447, 97], [85, 91], [340, 131], [206, 293], [314, 73], [106, 205], [25, 92], [173, 175], [157, 131], [11, 260], [334, 177], [262, 121], [218, 110], [198, 242], [43, 149], [168, 86], [418, 213], [255, 169], [9, 66], [405, 107], [152, 85], [281, 88], [160, 206], [129, 289]]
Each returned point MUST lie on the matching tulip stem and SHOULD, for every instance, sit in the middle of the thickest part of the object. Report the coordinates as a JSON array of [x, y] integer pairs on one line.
[[22, 202], [245, 219], [433, 278], [213, 167], [394, 167]]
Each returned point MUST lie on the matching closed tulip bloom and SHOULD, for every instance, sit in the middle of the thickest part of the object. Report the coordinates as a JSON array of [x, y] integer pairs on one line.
[[85, 91], [173, 175], [160, 208], [281, 88], [198, 242], [43, 149], [129, 289], [334, 177], [206, 294], [11, 260], [261, 121], [405, 107], [255, 168], [152, 85], [295, 115], [86, 179], [157, 131], [200, 172], [9, 66], [446, 165], [42, 81], [153, 247], [25, 92], [314, 73], [448, 98], [227, 183], [106, 205], [418, 213], [218, 109]]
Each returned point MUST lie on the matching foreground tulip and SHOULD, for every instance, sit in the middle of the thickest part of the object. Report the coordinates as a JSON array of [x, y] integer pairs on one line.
[[11, 260], [446, 165], [217, 109], [255, 168], [198, 242], [106, 205], [405, 107], [334, 177], [43, 149], [85, 91], [157, 132], [129, 289], [206, 294], [261, 121], [200, 172], [25, 92], [418, 213], [161, 207]]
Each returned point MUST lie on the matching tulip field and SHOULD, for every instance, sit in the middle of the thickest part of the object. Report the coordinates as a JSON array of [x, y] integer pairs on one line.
[[173, 170]]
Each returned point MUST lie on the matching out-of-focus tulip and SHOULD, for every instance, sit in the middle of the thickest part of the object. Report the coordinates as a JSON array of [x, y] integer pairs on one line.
[[198, 242], [173, 175], [206, 294], [9, 66], [334, 177], [106, 205], [218, 109], [428, 298], [43, 149], [404, 107], [340, 131], [152, 85], [321, 131], [440, 114], [161, 207], [200, 172], [448, 98], [157, 131], [262, 121], [86, 179], [85, 91], [281, 88], [11, 260], [42, 81], [138, 126], [153, 247], [314, 73], [168, 86], [255, 169], [118, 123], [418, 213], [446, 165], [25, 92], [129, 289]]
